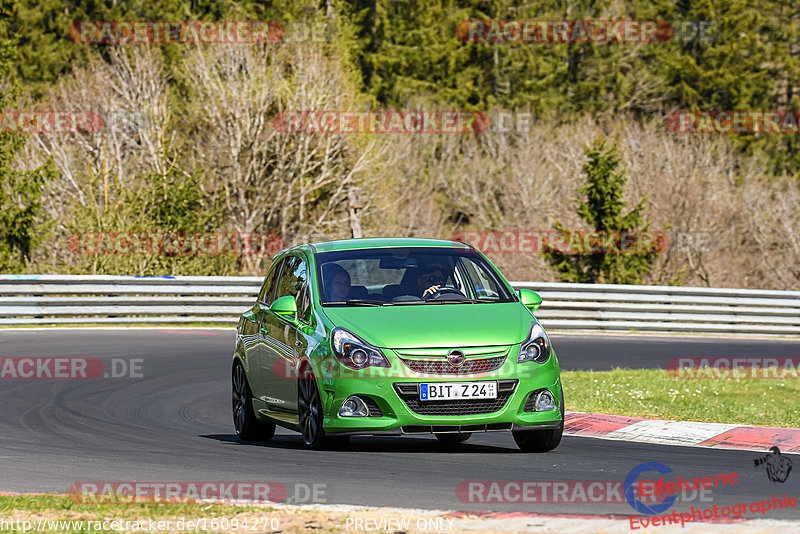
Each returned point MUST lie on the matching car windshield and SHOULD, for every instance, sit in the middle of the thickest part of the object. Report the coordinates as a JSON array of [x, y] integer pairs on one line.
[[408, 275]]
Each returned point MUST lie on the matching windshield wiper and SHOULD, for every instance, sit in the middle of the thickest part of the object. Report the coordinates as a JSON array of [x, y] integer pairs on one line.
[[453, 301], [356, 302]]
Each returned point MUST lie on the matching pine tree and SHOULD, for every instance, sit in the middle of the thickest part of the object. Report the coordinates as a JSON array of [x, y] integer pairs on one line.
[[21, 229], [603, 211]]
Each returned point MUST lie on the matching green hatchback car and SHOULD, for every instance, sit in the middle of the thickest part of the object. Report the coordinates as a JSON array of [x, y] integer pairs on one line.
[[394, 336]]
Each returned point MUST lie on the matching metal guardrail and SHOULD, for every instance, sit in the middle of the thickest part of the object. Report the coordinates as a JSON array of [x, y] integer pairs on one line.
[[624, 308], [105, 299]]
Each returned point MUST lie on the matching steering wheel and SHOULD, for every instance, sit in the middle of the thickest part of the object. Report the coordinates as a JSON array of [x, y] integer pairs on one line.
[[444, 290]]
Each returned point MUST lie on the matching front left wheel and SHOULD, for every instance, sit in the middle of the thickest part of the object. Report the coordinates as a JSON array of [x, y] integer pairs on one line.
[[310, 415], [540, 440], [247, 427]]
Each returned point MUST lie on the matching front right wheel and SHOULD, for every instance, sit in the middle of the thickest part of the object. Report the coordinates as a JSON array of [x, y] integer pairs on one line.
[[540, 440], [310, 416]]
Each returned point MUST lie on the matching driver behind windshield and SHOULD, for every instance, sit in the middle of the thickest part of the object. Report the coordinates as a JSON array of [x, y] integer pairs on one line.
[[336, 282], [431, 278]]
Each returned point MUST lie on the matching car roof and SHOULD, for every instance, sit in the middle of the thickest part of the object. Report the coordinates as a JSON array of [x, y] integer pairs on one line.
[[382, 242]]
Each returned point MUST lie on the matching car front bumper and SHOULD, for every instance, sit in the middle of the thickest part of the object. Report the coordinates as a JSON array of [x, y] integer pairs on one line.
[[404, 413]]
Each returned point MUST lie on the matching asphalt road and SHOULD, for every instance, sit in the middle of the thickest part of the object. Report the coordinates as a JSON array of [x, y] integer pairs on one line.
[[602, 352], [172, 422]]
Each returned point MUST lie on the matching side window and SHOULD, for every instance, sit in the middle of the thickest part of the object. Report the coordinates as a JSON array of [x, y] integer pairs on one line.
[[293, 279], [268, 289], [484, 285], [304, 304]]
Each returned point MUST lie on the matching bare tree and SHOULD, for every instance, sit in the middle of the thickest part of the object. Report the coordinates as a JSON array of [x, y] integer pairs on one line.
[[730, 224], [293, 183]]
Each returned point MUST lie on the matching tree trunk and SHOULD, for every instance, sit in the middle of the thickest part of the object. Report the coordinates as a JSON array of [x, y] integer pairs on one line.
[[355, 213]]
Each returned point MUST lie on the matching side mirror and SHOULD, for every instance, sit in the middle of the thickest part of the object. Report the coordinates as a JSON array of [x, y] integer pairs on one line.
[[285, 307], [530, 299]]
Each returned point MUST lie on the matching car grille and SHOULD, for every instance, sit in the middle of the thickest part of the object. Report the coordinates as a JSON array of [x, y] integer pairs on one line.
[[454, 407], [441, 367], [409, 393]]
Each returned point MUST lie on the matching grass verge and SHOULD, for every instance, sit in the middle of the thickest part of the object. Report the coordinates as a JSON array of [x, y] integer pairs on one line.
[[54, 513], [652, 393]]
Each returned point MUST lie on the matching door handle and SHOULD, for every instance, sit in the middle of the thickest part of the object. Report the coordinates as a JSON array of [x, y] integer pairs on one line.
[[298, 344], [263, 329]]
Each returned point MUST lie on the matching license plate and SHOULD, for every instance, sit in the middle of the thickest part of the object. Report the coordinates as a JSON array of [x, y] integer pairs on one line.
[[457, 390]]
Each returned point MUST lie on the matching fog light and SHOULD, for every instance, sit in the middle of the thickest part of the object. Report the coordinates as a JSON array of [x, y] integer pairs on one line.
[[354, 407], [545, 401]]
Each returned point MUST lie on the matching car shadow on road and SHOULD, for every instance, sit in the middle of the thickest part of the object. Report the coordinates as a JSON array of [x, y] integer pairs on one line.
[[387, 444]]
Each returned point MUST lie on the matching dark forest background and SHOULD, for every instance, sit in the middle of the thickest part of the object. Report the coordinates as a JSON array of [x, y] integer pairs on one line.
[[188, 144]]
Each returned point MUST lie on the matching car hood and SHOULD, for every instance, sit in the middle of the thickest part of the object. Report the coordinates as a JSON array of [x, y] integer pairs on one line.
[[435, 325]]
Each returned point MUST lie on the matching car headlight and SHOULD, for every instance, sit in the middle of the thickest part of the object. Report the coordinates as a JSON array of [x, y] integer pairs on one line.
[[536, 348], [354, 352]]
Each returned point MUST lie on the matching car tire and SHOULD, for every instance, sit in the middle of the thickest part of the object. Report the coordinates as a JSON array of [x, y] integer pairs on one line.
[[540, 440], [310, 415], [453, 439], [247, 427]]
